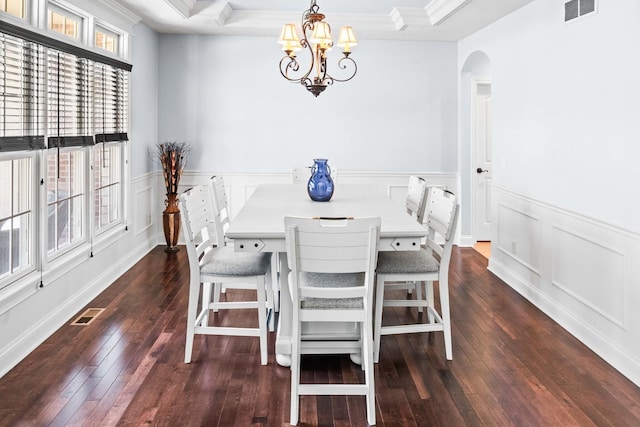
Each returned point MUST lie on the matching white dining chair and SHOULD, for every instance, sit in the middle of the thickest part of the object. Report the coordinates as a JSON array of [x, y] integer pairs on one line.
[[222, 212], [415, 204], [220, 264], [421, 266], [416, 201], [332, 263]]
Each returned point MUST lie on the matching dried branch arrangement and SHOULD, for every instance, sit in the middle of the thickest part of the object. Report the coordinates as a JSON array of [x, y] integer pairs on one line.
[[173, 158]]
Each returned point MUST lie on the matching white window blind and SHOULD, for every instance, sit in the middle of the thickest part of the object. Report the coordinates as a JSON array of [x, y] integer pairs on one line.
[[111, 89], [22, 82], [69, 97]]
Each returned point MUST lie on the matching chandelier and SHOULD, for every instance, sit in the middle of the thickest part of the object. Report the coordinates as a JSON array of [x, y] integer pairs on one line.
[[317, 39]]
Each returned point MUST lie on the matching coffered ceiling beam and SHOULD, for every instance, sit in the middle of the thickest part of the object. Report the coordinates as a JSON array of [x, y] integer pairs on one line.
[[439, 10]]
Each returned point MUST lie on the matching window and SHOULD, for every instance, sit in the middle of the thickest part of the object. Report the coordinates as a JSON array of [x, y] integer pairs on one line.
[[57, 100], [65, 198], [110, 110], [16, 215], [107, 40], [13, 7], [69, 129], [107, 186], [63, 21]]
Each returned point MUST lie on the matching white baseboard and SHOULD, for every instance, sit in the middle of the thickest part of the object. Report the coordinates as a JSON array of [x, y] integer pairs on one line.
[[466, 241], [12, 353], [579, 271], [603, 346]]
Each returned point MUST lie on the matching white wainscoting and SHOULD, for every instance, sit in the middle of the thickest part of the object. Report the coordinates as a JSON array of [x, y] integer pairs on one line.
[[30, 313], [583, 273]]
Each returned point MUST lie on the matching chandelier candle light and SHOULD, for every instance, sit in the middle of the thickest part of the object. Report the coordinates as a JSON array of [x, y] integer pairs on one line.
[[317, 39]]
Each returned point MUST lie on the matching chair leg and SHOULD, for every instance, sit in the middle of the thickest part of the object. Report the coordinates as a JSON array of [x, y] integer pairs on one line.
[[216, 295], [270, 312], [295, 374], [192, 309], [262, 318], [206, 300], [378, 318], [418, 285], [274, 282], [369, 377], [430, 300], [446, 316]]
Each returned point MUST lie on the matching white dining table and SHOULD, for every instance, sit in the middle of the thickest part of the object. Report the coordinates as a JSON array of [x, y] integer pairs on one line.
[[259, 227]]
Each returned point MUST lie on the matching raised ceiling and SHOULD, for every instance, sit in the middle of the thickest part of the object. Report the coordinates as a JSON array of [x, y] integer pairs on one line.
[[436, 20]]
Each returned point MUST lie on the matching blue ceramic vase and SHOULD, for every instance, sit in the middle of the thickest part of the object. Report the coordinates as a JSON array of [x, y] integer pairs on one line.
[[320, 185]]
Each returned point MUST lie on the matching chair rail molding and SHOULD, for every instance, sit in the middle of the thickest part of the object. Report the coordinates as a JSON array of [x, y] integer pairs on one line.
[[578, 270]]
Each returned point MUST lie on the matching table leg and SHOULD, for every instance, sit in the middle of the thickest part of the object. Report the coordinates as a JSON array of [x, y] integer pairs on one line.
[[283, 335]]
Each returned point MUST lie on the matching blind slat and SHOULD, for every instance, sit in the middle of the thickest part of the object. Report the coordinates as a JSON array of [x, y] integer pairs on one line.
[[22, 95], [87, 101]]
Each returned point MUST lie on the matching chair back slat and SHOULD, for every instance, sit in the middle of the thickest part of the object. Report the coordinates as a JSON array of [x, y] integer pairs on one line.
[[221, 207], [441, 209], [197, 217], [416, 198], [326, 245], [332, 293]]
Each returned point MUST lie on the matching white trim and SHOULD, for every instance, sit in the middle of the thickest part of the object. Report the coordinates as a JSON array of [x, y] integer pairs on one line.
[[603, 345], [12, 353], [475, 82], [599, 312], [440, 10]]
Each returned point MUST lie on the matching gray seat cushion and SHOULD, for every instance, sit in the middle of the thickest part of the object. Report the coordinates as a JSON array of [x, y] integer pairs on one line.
[[421, 261], [331, 280], [224, 261]]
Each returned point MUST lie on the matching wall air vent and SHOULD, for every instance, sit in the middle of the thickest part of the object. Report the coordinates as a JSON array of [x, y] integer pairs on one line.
[[576, 8]]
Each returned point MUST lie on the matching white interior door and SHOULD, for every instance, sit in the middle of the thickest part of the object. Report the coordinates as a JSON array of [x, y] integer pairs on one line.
[[482, 161]]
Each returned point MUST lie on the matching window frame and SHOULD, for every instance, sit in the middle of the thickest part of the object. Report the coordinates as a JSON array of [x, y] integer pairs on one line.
[[33, 263], [109, 32], [57, 252], [67, 13], [25, 10], [43, 266], [96, 229]]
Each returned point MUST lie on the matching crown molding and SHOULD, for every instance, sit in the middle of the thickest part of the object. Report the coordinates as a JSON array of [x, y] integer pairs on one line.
[[403, 17], [114, 10], [439, 10], [183, 7]]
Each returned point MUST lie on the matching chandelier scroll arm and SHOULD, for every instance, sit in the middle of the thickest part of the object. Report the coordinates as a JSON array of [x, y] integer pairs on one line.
[[344, 66]]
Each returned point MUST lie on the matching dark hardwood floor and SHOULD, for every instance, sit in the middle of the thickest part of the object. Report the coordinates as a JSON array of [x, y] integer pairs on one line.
[[512, 366]]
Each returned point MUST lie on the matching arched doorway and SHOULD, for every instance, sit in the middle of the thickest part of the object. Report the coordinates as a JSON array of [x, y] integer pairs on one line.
[[476, 147]]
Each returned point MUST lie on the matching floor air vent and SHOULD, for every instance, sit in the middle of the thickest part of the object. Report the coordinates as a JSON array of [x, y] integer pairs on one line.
[[87, 317]]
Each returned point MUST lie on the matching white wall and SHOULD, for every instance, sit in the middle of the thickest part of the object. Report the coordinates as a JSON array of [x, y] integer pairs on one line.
[[225, 96], [566, 107], [566, 219], [144, 98]]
